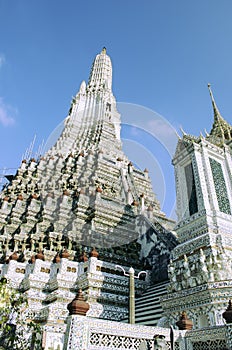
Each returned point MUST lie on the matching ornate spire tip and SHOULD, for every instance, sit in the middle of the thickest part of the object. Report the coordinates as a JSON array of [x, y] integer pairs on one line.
[[216, 111], [210, 92]]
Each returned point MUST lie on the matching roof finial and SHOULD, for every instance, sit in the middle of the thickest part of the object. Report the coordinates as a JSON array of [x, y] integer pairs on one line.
[[221, 129], [178, 136], [215, 109], [182, 130]]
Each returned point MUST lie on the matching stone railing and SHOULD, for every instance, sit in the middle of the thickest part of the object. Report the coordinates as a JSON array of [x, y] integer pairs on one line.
[[212, 338], [85, 333], [96, 334]]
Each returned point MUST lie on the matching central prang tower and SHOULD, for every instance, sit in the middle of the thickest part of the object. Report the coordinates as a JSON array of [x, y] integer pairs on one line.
[[102, 191], [82, 194]]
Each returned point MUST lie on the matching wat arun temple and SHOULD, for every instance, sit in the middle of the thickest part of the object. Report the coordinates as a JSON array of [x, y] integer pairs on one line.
[[82, 235]]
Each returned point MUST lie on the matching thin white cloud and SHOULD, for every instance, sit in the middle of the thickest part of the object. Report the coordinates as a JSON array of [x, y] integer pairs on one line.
[[7, 113], [161, 127], [2, 60], [163, 131]]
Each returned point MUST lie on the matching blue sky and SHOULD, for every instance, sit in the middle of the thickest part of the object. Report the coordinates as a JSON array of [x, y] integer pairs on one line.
[[164, 52]]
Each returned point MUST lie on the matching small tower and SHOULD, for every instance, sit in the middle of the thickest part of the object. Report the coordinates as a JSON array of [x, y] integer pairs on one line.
[[203, 180], [202, 260]]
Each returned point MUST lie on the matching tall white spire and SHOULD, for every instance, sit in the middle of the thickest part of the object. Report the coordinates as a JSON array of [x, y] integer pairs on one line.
[[101, 72]]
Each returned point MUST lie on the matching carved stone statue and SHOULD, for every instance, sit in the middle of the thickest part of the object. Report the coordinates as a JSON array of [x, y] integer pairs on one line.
[[143, 345], [186, 272], [203, 271], [159, 343]]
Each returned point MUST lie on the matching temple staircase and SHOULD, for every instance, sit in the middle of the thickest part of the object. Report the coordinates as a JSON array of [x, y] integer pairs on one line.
[[148, 309]]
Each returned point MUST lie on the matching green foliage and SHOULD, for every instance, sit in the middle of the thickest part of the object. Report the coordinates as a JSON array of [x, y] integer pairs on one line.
[[16, 332]]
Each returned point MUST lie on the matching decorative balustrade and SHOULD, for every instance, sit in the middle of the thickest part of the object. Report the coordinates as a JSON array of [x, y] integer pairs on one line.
[[96, 334], [210, 338]]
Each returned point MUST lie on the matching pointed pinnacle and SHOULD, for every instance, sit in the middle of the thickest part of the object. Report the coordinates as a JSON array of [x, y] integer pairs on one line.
[[215, 108], [178, 136], [182, 130]]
